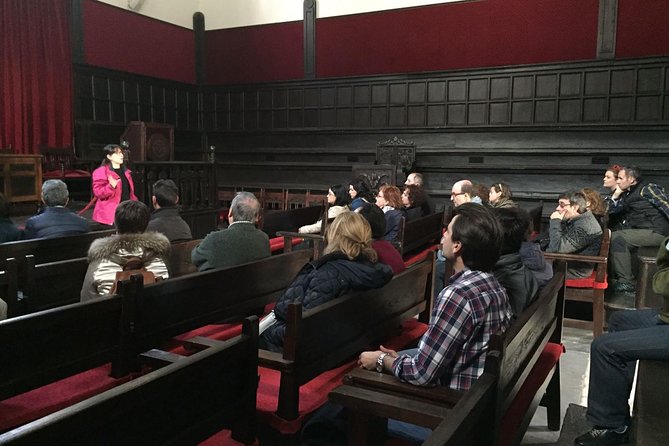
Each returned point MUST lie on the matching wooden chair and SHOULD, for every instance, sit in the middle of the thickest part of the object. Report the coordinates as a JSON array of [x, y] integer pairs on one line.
[[590, 289], [60, 163]]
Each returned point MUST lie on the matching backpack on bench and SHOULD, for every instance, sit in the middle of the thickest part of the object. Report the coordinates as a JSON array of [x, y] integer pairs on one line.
[[132, 265]]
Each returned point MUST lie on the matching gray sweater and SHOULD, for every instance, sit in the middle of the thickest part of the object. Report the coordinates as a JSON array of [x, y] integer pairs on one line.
[[579, 235]]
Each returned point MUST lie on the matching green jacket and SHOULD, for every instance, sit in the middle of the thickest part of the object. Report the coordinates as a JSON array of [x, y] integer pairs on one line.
[[661, 278]]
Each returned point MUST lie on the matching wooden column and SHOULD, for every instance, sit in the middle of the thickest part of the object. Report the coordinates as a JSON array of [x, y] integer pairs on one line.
[[309, 39], [606, 30]]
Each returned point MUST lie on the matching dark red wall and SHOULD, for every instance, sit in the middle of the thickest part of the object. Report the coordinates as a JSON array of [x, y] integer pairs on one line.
[[459, 35], [255, 54], [643, 28], [122, 40]]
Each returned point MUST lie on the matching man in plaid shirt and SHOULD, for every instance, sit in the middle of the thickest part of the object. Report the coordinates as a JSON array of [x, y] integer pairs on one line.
[[471, 308]]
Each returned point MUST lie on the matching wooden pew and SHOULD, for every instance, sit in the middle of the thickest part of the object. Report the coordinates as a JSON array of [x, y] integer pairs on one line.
[[650, 402], [44, 347], [320, 339], [528, 373], [183, 403], [180, 258], [272, 222], [47, 285], [51, 249], [419, 236], [590, 289]]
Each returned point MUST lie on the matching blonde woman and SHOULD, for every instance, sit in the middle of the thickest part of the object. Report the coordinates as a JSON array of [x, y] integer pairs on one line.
[[349, 264]]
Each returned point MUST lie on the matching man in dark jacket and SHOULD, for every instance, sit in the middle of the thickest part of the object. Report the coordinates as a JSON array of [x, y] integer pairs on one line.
[[643, 210], [55, 220], [575, 230], [242, 242], [520, 284], [165, 217]]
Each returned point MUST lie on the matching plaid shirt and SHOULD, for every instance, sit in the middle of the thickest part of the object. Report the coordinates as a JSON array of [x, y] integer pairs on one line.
[[452, 351]]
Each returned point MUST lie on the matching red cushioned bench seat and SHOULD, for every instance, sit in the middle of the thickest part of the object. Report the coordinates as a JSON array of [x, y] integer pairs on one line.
[[420, 256], [276, 243], [314, 393]]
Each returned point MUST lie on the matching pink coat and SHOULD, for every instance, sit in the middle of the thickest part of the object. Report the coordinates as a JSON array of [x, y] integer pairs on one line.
[[108, 197]]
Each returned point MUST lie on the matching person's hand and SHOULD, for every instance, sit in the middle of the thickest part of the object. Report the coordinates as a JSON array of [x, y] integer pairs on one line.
[[616, 193], [112, 181], [557, 215], [391, 353], [367, 360]]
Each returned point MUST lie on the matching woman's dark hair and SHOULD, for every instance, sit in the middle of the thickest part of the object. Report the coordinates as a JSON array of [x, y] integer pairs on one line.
[[107, 150], [504, 188], [131, 217], [416, 195], [376, 219], [363, 191], [342, 198], [480, 233]]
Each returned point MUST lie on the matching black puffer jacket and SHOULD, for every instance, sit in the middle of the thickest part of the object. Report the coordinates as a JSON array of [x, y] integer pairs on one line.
[[321, 281]]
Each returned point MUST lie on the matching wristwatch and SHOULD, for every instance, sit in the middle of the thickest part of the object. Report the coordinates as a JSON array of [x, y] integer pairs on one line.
[[379, 362]]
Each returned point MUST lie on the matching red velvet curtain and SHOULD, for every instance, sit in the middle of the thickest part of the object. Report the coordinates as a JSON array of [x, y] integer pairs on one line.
[[35, 75]]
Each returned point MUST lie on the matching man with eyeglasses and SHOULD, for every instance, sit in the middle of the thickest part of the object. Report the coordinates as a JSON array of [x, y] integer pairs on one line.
[[575, 230], [461, 193]]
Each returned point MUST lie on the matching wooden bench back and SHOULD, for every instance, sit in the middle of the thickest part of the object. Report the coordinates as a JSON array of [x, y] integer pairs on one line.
[[421, 232], [321, 338], [524, 341], [43, 347], [51, 249], [47, 285], [291, 220], [159, 311], [182, 403], [180, 258]]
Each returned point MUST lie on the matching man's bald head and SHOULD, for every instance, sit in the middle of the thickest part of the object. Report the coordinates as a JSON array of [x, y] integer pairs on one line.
[[461, 192]]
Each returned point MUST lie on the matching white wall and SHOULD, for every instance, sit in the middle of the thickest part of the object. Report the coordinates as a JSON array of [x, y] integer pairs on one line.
[[220, 14]]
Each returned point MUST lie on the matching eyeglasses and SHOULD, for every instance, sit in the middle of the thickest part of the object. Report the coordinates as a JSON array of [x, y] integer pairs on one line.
[[455, 194], [563, 205]]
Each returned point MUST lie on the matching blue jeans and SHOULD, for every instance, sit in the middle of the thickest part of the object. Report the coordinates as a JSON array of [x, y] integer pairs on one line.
[[406, 431], [633, 335]]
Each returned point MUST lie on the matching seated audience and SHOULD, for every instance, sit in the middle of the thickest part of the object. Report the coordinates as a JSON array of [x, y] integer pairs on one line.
[[575, 230], [9, 232], [480, 194], [468, 311], [610, 183], [462, 192], [500, 196], [360, 194], [389, 199], [595, 204], [338, 200], [642, 209], [55, 220], [632, 335], [165, 217], [241, 243], [515, 277], [387, 253], [416, 179], [107, 256], [349, 264], [414, 201]]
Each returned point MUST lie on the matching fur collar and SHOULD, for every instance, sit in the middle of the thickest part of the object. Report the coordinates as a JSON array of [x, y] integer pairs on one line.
[[157, 244]]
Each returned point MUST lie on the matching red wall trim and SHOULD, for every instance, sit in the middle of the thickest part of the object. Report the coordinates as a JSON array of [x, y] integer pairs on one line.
[[642, 28], [459, 35], [122, 40], [251, 54]]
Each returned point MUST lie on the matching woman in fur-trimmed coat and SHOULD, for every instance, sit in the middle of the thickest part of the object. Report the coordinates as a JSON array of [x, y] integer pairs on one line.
[[106, 255]]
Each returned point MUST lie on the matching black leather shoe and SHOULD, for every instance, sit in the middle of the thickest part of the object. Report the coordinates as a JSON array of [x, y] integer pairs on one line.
[[602, 437]]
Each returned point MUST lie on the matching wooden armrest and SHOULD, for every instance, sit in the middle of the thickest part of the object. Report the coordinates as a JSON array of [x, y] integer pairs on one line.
[[297, 234], [575, 257], [274, 360], [389, 383], [388, 405], [156, 359]]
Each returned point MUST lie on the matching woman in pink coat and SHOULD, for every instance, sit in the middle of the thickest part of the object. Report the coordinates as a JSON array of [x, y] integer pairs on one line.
[[112, 184]]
